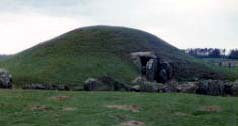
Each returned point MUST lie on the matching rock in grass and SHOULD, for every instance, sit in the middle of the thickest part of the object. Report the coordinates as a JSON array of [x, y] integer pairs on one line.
[[5, 79], [104, 84]]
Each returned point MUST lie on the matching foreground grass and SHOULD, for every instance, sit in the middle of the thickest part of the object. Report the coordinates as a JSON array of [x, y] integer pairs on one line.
[[49, 108]]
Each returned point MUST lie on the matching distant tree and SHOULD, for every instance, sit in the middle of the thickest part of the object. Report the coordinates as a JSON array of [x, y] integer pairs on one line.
[[233, 54], [215, 53]]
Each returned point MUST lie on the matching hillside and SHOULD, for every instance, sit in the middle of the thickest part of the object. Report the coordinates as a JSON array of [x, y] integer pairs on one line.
[[98, 51]]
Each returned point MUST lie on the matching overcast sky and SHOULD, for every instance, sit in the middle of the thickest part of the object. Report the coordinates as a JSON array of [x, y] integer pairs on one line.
[[183, 23]]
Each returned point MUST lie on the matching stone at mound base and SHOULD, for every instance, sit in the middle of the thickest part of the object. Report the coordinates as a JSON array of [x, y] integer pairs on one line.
[[5, 79], [46, 87], [151, 69], [141, 84], [190, 87], [234, 88], [165, 72], [104, 84], [215, 87]]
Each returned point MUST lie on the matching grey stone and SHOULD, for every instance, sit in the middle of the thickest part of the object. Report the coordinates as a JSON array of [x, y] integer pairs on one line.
[[5, 79], [150, 87], [214, 87], [151, 70], [152, 67], [46, 87], [135, 88], [165, 72], [190, 87], [104, 84]]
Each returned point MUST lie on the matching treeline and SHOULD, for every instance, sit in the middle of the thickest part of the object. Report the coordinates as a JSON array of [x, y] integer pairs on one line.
[[213, 53]]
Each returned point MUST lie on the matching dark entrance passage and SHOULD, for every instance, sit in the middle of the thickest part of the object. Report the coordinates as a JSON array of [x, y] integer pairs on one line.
[[144, 60], [152, 68]]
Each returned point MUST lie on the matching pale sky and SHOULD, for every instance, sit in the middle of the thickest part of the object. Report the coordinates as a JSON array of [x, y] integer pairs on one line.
[[182, 23]]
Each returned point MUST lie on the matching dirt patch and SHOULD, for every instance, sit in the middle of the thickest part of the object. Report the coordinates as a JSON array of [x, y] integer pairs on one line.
[[181, 114], [213, 108], [133, 123], [67, 109], [207, 110], [39, 108], [60, 98], [132, 108]]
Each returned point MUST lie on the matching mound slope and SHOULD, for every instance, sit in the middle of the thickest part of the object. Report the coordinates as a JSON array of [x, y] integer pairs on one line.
[[98, 51]]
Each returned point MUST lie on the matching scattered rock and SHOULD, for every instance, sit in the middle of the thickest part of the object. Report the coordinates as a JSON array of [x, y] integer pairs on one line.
[[135, 88], [212, 87], [170, 87], [233, 88], [46, 87], [5, 79], [142, 85], [139, 80], [133, 108], [133, 123], [204, 87], [150, 87], [190, 87], [104, 84]]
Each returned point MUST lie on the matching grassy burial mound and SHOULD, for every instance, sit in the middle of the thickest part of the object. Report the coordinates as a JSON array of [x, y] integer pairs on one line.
[[98, 51]]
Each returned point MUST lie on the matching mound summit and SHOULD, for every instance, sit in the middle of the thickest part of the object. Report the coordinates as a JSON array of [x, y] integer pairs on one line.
[[98, 51]]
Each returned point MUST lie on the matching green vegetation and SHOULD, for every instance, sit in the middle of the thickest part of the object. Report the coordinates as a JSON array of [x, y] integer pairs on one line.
[[49, 108], [97, 51], [231, 71], [4, 57]]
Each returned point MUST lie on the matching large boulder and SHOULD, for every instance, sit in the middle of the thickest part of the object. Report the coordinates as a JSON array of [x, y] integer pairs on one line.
[[150, 87], [234, 88], [189, 87], [5, 79], [165, 72], [147, 87], [104, 84], [214, 87], [151, 69], [141, 84]]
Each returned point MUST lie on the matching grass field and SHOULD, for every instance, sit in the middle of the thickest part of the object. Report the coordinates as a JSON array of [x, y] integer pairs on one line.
[[52, 108]]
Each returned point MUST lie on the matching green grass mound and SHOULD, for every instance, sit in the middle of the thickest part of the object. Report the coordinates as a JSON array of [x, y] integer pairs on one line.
[[37, 108], [94, 52]]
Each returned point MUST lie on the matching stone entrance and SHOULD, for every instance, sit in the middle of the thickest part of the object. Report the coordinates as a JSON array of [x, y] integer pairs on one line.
[[152, 67]]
